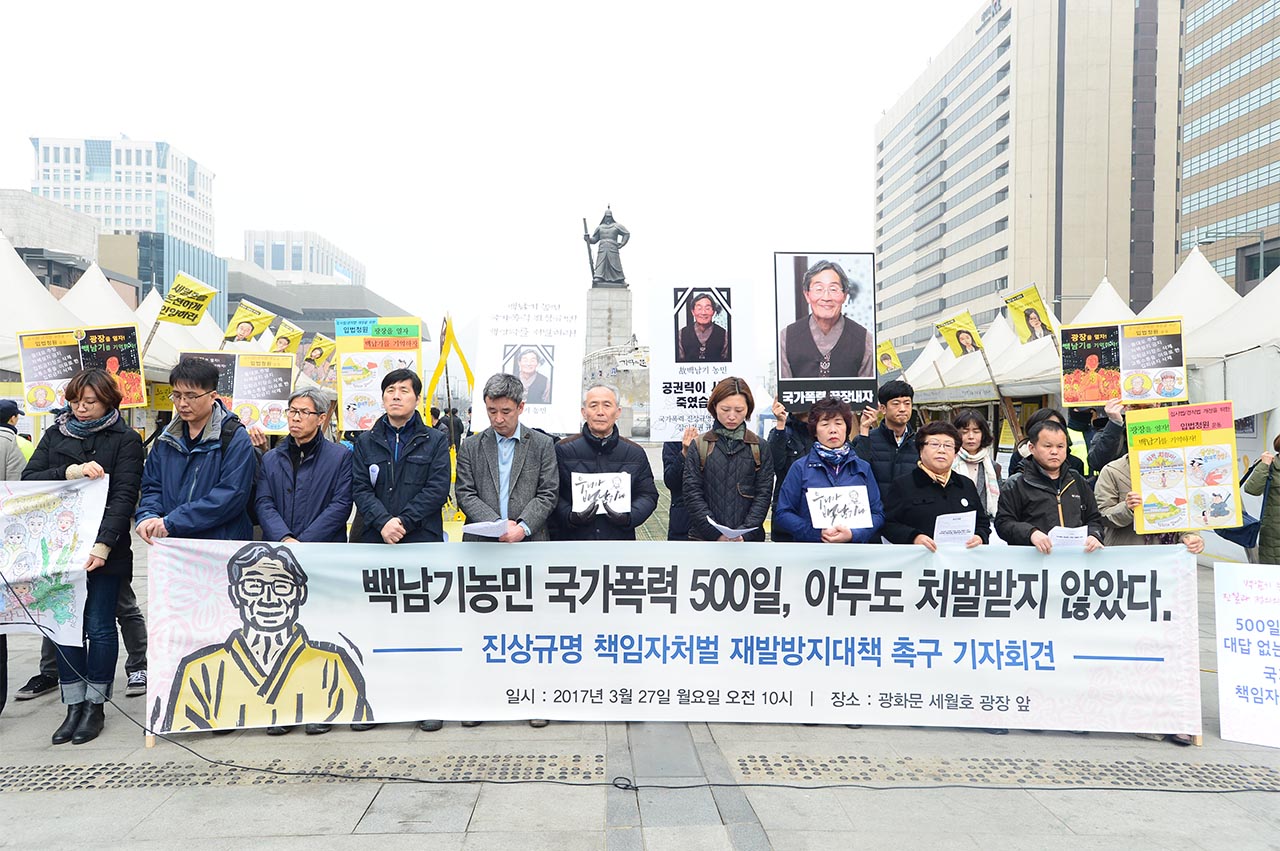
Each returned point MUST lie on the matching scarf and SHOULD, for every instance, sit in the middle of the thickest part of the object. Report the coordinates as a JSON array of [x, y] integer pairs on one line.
[[833, 458], [988, 484], [731, 434], [72, 427], [940, 479]]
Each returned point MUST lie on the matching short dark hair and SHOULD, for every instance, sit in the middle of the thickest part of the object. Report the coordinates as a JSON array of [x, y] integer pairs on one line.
[[197, 372], [937, 428], [895, 389], [827, 408], [97, 380], [727, 387], [698, 296], [251, 554], [966, 417], [435, 413], [395, 376], [1049, 425], [825, 266], [1046, 414]]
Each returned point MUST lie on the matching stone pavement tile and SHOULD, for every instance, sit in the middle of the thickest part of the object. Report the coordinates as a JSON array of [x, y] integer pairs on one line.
[[490, 731], [700, 732], [798, 809], [1153, 815], [1073, 842], [731, 733], [687, 839], [622, 809], [734, 806], [238, 811], [946, 811], [748, 837], [539, 808], [418, 808], [105, 814], [1264, 805], [562, 840], [663, 750], [822, 840], [624, 839], [676, 807], [333, 842]]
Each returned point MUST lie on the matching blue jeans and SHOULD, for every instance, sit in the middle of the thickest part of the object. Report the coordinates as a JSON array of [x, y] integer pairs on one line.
[[97, 664]]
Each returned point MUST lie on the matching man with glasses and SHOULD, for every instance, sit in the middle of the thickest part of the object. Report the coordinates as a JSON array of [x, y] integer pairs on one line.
[[199, 475], [826, 343], [268, 671]]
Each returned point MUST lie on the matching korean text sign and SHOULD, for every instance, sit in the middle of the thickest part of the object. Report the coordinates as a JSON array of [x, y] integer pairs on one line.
[[1247, 615], [186, 301], [1137, 361], [255, 387], [366, 350], [49, 359], [656, 632]]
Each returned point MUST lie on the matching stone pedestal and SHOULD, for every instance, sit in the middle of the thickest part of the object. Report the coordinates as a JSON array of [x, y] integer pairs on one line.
[[608, 318]]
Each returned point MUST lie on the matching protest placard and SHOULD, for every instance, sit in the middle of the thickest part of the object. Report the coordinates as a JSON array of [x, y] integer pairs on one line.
[[697, 351], [1151, 361], [48, 360], [960, 333], [887, 357], [262, 387], [1030, 319], [601, 489], [1090, 365], [248, 322], [1247, 619], [366, 349], [847, 506], [186, 301]]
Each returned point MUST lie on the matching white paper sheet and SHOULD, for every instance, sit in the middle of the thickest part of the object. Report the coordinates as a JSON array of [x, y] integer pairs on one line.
[[954, 530], [1068, 537], [730, 533], [487, 529], [847, 506], [612, 489]]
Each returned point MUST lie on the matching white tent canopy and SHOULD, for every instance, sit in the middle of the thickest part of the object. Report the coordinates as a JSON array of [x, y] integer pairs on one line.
[[95, 302], [971, 369], [178, 337], [28, 305], [1105, 305], [1251, 321], [1196, 292]]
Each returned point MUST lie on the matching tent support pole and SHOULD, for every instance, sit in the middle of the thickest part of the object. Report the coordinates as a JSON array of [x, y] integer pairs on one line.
[[147, 345], [1005, 404]]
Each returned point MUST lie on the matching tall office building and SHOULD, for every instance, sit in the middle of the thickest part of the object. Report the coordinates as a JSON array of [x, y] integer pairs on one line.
[[1038, 148], [301, 257], [1230, 164]]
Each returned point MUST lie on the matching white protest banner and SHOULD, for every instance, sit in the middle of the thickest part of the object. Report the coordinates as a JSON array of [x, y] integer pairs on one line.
[[611, 489], [540, 340], [695, 346], [672, 631], [1247, 615], [48, 529], [847, 506]]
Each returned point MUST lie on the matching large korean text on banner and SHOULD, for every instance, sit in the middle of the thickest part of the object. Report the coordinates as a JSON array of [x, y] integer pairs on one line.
[[186, 301]]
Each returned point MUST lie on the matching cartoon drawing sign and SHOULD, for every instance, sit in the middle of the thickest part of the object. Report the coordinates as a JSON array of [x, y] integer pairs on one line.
[[1182, 461], [262, 387], [1090, 364], [366, 349], [315, 360], [48, 360], [1151, 361]]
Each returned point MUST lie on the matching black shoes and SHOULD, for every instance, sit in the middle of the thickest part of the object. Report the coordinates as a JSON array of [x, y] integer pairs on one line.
[[430, 726], [279, 730], [67, 730], [318, 729], [36, 686], [83, 723]]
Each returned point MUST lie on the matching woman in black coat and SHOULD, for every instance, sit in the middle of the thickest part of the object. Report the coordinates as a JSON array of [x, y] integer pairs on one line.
[[90, 440], [918, 499], [728, 474]]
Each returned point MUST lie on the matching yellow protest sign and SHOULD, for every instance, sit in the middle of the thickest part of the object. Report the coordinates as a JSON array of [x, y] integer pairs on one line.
[[1031, 321], [248, 322], [316, 365], [961, 334], [288, 337], [368, 349], [887, 357], [186, 301]]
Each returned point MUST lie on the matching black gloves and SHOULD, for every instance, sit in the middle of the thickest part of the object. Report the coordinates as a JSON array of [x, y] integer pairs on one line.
[[583, 517], [618, 518]]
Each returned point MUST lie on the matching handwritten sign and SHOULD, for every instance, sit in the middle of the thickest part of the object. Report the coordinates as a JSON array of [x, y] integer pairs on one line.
[[845, 506], [611, 489]]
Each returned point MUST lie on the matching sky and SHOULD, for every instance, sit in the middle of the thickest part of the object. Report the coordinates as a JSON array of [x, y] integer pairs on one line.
[[455, 148]]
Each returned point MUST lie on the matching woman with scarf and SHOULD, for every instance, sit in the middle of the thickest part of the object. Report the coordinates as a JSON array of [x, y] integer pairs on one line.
[[728, 474], [932, 489], [831, 463], [89, 439], [974, 458]]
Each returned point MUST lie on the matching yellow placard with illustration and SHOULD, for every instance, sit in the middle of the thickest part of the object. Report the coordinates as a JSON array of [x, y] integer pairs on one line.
[[288, 338], [961, 334], [887, 357], [1027, 313], [248, 322]]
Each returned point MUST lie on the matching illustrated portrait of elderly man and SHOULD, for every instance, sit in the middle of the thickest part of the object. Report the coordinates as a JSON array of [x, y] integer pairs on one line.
[[268, 672], [537, 387], [826, 343], [701, 339]]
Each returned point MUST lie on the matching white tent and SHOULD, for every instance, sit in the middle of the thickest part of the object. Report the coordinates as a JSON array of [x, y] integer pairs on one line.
[[1237, 355], [1105, 305], [1196, 292], [28, 305], [1251, 321], [95, 302], [923, 371]]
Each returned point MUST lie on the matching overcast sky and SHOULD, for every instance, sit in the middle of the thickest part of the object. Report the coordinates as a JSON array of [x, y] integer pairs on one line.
[[454, 148]]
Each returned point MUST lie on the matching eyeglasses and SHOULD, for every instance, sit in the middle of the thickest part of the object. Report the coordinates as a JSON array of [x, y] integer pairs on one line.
[[933, 444], [833, 289], [256, 587], [298, 412], [191, 397]]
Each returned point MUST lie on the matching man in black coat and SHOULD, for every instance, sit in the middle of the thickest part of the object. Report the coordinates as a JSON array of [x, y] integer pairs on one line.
[[1046, 493], [600, 449], [890, 447]]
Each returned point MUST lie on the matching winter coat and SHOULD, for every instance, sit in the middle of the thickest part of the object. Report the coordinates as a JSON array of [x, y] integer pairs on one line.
[[673, 478], [202, 491], [730, 487], [309, 502], [786, 446], [11, 458], [810, 472], [915, 502], [1032, 502], [1109, 442], [1111, 491], [586, 453], [118, 449], [889, 459], [1269, 532], [413, 488]]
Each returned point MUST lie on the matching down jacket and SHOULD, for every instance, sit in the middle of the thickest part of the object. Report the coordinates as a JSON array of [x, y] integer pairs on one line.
[[810, 472], [586, 453], [730, 487], [889, 459], [1269, 533]]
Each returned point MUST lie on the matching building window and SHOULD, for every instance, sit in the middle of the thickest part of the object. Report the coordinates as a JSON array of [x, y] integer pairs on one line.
[[277, 256], [57, 155], [117, 156], [297, 258], [77, 156], [46, 153], [148, 158], [259, 258]]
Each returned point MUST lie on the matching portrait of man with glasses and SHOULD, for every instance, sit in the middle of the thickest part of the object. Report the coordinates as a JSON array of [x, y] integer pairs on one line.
[[826, 343]]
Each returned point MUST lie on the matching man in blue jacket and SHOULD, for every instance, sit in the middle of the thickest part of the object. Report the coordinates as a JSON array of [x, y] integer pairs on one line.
[[199, 475]]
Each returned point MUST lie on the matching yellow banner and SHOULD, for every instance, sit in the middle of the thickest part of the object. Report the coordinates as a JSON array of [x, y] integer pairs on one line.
[[1027, 313], [248, 322], [887, 357], [316, 365], [50, 358], [288, 337], [961, 334], [186, 301]]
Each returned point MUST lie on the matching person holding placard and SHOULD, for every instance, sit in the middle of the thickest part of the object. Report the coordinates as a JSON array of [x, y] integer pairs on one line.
[[728, 474], [606, 485], [833, 479], [1047, 500], [932, 505], [89, 439]]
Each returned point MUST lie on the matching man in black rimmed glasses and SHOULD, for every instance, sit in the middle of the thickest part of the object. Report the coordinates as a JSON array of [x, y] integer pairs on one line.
[[199, 476]]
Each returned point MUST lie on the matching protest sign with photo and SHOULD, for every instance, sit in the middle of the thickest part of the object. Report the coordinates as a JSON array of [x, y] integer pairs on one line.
[[49, 359], [366, 349], [887, 357], [248, 322], [1030, 319], [315, 360], [960, 334], [288, 338]]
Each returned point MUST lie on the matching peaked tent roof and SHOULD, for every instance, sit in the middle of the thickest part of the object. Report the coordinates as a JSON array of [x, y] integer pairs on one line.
[[96, 302], [1250, 322], [1105, 305], [921, 370], [1196, 292], [177, 337], [29, 306]]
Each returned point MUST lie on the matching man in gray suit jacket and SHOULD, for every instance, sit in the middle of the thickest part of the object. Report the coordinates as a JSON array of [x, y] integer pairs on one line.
[[508, 471]]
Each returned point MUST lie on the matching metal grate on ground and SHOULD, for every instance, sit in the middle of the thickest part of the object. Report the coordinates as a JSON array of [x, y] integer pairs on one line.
[[575, 768], [1005, 772]]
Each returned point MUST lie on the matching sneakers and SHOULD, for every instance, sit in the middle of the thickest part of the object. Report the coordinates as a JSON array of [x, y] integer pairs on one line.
[[137, 685], [36, 686]]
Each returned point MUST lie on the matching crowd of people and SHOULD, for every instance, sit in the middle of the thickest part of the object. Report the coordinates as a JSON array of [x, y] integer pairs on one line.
[[207, 477]]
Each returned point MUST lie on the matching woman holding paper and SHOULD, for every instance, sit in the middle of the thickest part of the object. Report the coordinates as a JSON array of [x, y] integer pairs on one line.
[[728, 474], [933, 505], [831, 474], [89, 440]]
